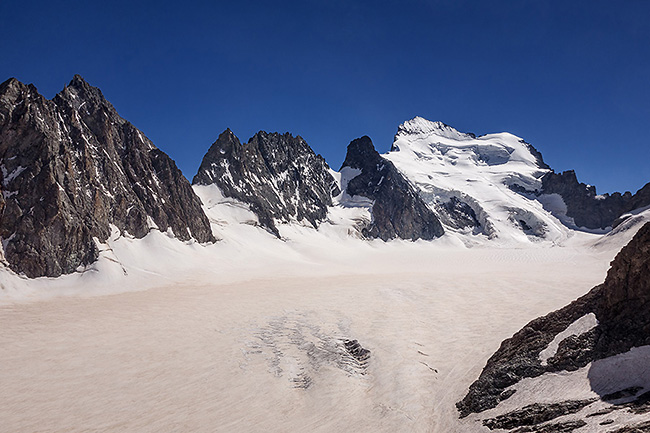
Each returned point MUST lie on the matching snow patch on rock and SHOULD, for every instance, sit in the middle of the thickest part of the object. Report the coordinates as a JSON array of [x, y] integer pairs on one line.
[[584, 324]]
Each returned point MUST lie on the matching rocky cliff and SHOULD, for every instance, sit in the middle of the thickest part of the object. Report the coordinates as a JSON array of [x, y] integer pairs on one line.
[[588, 209], [278, 175], [620, 307], [70, 168], [397, 210]]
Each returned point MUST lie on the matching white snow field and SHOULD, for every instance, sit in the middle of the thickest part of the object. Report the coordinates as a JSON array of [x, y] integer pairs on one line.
[[248, 334]]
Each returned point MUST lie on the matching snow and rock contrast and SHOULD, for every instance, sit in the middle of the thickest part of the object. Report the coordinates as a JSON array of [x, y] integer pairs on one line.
[[71, 168], [278, 175], [583, 207], [477, 185], [252, 333], [596, 347], [397, 210], [367, 299]]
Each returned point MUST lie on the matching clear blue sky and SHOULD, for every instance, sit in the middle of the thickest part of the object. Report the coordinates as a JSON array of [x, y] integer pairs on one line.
[[570, 77]]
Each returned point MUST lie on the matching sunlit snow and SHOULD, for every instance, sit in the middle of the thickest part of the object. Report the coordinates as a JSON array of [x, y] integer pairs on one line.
[[248, 334]]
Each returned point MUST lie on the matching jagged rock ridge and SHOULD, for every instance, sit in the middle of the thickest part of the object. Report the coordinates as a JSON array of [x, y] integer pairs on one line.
[[278, 175], [620, 306], [397, 210], [586, 207], [71, 167]]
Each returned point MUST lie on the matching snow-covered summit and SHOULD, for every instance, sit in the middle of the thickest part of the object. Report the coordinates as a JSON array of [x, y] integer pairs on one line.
[[423, 136], [495, 175], [425, 128]]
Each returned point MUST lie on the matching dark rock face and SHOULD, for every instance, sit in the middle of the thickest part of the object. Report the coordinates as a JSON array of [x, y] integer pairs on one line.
[[585, 207], [279, 175], [643, 427], [518, 357], [357, 351], [535, 414], [622, 394], [560, 427], [71, 167], [640, 404], [398, 211], [621, 305], [623, 309], [458, 214]]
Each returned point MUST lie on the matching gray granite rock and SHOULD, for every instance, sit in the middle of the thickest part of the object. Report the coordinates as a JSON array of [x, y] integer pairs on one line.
[[560, 427], [536, 413], [397, 211], [621, 305], [71, 167], [278, 175], [587, 208]]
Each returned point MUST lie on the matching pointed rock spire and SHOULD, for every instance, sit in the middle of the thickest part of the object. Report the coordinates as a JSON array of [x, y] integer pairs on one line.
[[397, 211], [278, 175]]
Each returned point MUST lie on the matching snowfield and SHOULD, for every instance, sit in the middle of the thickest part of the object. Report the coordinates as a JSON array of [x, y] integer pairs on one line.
[[260, 334], [249, 334]]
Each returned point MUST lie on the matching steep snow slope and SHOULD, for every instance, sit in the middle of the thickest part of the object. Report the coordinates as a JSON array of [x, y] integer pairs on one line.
[[496, 175]]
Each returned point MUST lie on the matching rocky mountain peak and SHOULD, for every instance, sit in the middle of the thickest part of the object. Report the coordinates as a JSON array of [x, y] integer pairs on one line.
[[271, 142], [585, 207], [278, 175], [423, 127], [78, 81], [71, 168], [12, 91], [11, 87], [227, 133], [10, 82], [361, 154], [226, 140], [397, 209], [85, 99], [13, 84], [82, 89]]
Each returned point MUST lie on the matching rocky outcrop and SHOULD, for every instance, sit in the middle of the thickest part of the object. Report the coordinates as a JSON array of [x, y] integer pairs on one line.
[[518, 357], [560, 427], [458, 214], [586, 207], [535, 414], [537, 154], [70, 168], [278, 175], [643, 427], [397, 210], [622, 308]]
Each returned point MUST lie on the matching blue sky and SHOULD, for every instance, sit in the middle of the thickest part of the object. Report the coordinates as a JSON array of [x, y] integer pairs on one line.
[[570, 77]]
